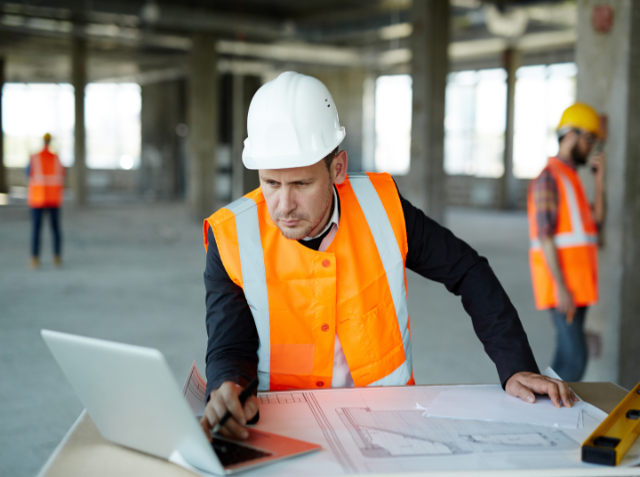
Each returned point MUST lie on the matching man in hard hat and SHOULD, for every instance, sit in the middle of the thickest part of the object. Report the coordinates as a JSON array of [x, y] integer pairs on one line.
[[563, 230], [45, 194], [305, 276]]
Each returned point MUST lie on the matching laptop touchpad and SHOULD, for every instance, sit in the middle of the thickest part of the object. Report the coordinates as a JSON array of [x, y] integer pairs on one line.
[[231, 453]]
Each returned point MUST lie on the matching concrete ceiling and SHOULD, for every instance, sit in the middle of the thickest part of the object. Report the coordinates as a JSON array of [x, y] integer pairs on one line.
[[134, 38]]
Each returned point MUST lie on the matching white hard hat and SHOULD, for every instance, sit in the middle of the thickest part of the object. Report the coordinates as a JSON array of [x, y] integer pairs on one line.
[[292, 122]]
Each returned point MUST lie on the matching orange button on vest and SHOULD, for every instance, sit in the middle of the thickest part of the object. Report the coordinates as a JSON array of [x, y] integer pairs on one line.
[[46, 180], [356, 287], [575, 239]]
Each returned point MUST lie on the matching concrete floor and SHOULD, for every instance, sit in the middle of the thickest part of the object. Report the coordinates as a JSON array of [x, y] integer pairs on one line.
[[133, 273]]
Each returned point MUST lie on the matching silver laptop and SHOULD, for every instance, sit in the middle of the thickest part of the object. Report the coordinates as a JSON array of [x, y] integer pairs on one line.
[[134, 400]]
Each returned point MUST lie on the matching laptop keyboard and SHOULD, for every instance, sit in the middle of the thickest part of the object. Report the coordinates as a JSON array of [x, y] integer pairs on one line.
[[230, 453]]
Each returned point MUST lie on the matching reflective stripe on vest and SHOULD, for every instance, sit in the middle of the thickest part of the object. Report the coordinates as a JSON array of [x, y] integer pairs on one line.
[[577, 237], [255, 281], [393, 266], [40, 179]]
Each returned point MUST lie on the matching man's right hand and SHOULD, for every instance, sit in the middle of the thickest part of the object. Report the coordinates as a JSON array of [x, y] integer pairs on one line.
[[566, 305], [224, 399]]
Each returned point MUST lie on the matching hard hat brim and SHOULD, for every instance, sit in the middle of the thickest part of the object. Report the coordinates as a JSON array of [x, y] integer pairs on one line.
[[289, 162]]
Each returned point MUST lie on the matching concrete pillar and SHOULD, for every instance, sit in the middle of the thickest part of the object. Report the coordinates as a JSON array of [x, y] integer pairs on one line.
[[369, 123], [347, 89], [162, 120], [251, 84], [508, 183], [424, 186], [79, 81], [203, 126], [609, 80], [238, 135], [4, 187]]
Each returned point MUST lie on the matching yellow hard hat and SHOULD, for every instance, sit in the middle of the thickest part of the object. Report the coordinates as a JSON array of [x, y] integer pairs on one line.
[[581, 116], [47, 137]]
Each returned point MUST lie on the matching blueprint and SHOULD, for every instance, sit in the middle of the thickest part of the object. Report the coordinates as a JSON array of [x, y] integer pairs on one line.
[[404, 433], [375, 430], [194, 391], [382, 430]]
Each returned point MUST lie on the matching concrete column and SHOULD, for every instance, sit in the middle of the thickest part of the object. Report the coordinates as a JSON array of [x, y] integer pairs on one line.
[[347, 89], [369, 123], [425, 184], [4, 187], [161, 162], [79, 81], [609, 80], [238, 135], [251, 84], [203, 126], [508, 183]]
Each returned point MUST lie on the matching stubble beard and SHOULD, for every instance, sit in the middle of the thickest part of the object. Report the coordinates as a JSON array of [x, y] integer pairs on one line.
[[578, 156], [297, 233]]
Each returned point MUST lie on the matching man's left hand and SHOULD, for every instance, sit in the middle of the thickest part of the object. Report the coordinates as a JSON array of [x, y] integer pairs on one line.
[[598, 164], [524, 385]]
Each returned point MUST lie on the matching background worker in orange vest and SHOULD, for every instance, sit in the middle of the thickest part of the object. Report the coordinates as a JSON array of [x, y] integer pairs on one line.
[[563, 229], [305, 276], [46, 191]]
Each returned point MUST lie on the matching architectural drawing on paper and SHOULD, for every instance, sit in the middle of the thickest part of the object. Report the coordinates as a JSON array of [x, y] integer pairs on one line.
[[527, 439], [407, 433], [281, 398]]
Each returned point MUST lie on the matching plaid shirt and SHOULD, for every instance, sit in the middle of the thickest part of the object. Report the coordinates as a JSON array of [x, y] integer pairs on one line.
[[546, 198]]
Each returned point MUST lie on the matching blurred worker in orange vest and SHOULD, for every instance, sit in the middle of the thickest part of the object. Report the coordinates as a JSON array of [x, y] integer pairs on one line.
[[563, 230], [46, 190]]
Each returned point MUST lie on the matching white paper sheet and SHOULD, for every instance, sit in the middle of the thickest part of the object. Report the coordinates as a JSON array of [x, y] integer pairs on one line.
[[491, 403], [194, 391]]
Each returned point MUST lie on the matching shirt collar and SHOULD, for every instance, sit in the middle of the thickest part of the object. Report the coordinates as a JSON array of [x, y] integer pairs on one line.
[[335, 217]]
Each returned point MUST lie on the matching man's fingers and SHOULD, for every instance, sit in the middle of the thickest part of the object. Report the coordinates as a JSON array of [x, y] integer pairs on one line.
[[231, 428], [206, 427], [232, 403], [557, 390], [517, 389], [565, 394], [526, 394], [544, 385], [251, 408], [551, 389], [210, 413]]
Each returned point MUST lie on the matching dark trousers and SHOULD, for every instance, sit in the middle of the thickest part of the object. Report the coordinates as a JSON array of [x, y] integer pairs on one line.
[[36, 219], [570, 359]]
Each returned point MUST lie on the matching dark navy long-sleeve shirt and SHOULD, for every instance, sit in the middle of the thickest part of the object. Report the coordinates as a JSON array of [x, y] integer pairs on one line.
[[433, 252]]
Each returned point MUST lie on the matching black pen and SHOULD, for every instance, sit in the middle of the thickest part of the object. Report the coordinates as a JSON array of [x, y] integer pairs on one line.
[[244, 395]]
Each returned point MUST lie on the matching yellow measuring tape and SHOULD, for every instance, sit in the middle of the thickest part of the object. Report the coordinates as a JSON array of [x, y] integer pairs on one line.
[[609, 443]]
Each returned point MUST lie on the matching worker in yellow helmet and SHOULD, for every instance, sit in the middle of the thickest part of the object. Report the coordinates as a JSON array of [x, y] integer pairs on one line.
[[563, 230]]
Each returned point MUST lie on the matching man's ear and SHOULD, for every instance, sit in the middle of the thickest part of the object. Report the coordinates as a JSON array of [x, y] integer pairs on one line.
[[339, 167]]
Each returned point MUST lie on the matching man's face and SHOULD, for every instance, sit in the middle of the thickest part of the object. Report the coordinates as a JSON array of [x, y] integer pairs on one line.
[[583, 146], [298, 199]]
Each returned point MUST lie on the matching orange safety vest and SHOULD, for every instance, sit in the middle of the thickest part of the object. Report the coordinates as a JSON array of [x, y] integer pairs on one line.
[[46, 180], [300, 297], [576, 242]]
